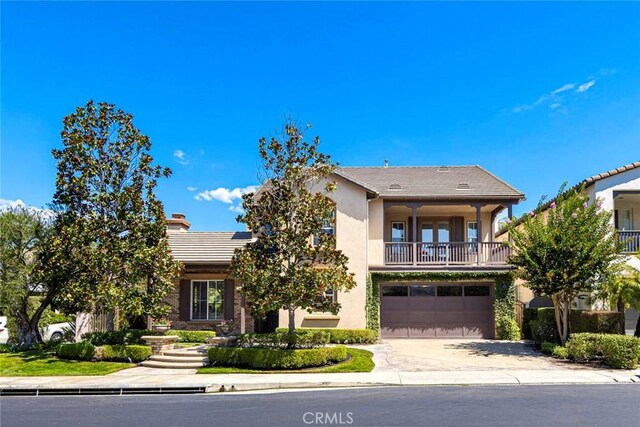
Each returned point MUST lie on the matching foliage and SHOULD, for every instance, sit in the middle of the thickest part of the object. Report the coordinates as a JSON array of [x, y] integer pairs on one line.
[[83, 350], [507, 329], [262, 358], [358, 361], [554, 350], [191, 336], [121, 337], [372, 305], [282, 269], [110, 251], [308, 339], [41, 363], [529, 314], [543, 327], [342, 336], [504, 306], [547, 347], [568, 249], [23, 237], [617, 351], [604, 322], [504, 292], [5, 348], [123, 353]]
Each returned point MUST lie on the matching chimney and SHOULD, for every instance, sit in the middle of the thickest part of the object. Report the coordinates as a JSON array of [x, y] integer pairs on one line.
[[177, 223], [386, 163]]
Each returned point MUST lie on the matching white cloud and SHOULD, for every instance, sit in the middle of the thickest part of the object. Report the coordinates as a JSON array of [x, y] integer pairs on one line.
[[181, 157], [225, 195], [8, 204], [236, 208], [191, 188], [585, 86]]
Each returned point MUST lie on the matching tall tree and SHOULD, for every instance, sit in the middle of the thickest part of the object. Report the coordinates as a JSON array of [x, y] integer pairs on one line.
[[565, 250], [23, 235], [293, 263], [110, 250]]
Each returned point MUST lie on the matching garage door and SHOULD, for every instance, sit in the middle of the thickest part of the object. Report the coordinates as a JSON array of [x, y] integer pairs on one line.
[[436, 310]]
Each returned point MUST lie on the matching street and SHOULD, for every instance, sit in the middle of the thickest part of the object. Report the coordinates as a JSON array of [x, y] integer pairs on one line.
[[602, 405]]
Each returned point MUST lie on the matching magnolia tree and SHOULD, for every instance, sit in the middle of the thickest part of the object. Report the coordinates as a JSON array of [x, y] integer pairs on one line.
[[109, 251], [292, 264], [567, 249], [23, 236]]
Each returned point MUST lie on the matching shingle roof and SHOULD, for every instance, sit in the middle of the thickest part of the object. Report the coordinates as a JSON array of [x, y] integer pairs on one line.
[[437, 182], [211, 247]]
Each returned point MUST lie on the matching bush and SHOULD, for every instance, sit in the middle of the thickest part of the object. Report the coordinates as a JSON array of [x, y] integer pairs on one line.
[[283, 340], [342, 336], [529, 314], [554, 350], [261, 358], [121, 337], [123, 353], [77, 351], [617, 351], [191, 336], [543, 327], [5, 348], [507, 329]]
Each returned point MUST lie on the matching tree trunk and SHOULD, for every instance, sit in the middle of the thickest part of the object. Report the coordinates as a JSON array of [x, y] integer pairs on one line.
[[28, 332], [561, 307], [621, 310], [292, 320]]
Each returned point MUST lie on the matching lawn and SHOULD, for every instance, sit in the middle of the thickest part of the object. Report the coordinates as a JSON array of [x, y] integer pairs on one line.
[[39, 363], [358, 361]]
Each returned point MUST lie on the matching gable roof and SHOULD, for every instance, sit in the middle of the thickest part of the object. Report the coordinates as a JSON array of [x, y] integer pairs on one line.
[[206, 247], [437, 182]]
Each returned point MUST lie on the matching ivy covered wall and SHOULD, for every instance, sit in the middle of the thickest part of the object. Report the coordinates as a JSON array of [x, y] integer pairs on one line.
[[504, 296]]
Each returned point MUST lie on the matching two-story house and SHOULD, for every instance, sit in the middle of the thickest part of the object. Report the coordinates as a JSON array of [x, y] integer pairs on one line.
[[419, 241]]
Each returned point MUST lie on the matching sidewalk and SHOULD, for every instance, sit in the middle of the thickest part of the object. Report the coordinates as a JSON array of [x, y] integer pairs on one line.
[[150, 379]]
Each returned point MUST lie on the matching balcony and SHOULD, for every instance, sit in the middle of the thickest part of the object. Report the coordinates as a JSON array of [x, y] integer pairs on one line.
[[446, 253], [630, 241]]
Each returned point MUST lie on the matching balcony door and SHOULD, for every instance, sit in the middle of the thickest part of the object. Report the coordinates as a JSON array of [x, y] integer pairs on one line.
[[434, 231]]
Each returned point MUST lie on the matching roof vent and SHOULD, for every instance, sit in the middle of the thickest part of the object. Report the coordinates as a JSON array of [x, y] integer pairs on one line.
[[463, 186], [395, 187], [444, 169]]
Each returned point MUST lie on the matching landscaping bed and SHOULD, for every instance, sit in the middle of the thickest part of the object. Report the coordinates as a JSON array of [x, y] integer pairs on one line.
[[615, 351]]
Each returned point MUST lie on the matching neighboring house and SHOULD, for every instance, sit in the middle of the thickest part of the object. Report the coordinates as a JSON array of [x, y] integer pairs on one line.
[[618, 191], [422, 235]]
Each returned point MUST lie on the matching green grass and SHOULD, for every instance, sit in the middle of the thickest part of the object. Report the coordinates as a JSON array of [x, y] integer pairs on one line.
[[358, 361], [38, 363], [187, 344]]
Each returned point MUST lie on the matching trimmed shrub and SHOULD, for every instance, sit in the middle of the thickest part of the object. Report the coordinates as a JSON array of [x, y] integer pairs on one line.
[[122, 337], [262, 358], [342, 336], [191, 336], [603, 322], [543, 327], [507, 329], [77, 351], [555, 350], [617, 351], [5, 348], [283, 340], [123, 353], [529, 314]]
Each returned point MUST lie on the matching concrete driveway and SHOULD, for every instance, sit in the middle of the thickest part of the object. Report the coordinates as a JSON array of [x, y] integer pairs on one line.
[[412, 355]]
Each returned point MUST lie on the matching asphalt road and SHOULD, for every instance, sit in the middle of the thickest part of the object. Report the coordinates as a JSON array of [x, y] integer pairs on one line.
[[601, 405]]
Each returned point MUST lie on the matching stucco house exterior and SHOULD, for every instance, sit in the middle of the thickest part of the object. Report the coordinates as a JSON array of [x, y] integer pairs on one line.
[[420, 243], [618, 191]]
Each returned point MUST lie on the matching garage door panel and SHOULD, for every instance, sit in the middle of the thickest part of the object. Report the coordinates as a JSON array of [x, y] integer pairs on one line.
[[449, 304], [422, 331], [449, 317], [394, 303], [422, 303], [477, 317], [395, 317], [451, 331], [477, 303], [477, 331], [395, 331], [422, 317]]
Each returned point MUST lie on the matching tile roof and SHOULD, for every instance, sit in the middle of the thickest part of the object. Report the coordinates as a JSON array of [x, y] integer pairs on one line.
[[210, 247], [437, 182]]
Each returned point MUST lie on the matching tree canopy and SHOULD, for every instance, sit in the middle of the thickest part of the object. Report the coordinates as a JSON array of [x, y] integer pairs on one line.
[[293, 263], [569, 248]]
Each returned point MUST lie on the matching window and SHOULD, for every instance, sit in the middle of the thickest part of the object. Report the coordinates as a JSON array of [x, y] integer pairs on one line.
[[423, 290], [472, 231], [394, 291], [477, 291], [328, 227], [449, 291], [329, 295], [624, 219], [207, 298], [397, 231]]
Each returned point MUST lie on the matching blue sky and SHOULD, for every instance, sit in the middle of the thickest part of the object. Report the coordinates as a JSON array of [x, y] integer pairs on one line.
[[537, 93]]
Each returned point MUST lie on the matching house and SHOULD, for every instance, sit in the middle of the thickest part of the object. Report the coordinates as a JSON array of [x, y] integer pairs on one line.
[[618, 191], [420, 243]]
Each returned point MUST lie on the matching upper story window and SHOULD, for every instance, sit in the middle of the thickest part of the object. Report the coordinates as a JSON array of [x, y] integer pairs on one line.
[[328, 227], [398, 232], [472, 232]]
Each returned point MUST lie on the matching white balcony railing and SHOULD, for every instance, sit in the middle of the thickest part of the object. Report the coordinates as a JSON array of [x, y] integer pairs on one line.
[[630, 241], [445, 253]]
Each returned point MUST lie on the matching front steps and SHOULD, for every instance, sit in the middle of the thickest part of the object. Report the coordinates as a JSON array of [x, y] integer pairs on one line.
[[184, 358]]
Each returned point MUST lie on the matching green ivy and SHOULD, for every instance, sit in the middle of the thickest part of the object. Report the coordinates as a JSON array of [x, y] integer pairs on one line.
[[504, 295]]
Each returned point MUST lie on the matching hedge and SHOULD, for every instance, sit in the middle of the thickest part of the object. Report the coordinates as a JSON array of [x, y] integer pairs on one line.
[[77, 351], [617, 351], [262, 358], [308, 339], [529, 314], [123, 353], [121, 337], [191, 336], [543, 327], [342, 336]]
